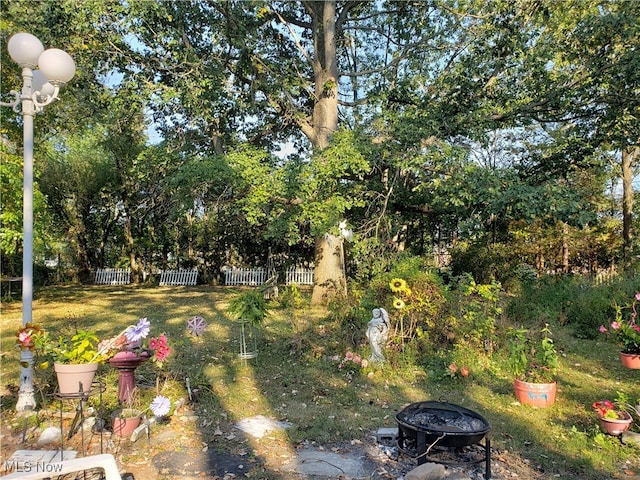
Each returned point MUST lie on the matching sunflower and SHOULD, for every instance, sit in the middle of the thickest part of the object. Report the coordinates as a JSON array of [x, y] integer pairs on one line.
[[398, 285], [398, 303]]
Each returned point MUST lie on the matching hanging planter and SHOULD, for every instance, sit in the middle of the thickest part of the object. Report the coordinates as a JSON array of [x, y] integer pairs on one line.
[[250, 308], [248, 342]]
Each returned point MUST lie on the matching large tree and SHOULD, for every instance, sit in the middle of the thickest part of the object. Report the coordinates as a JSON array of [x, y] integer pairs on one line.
[[424, 82]]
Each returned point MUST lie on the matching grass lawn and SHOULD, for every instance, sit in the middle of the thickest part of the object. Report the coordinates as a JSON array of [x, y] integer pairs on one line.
[[295, 379]]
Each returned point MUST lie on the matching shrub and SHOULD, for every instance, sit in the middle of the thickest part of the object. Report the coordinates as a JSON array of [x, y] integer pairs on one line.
[[415, 305], [477, 306]]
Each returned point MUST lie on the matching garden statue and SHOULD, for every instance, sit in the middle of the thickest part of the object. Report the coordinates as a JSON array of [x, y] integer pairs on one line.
[[377, 333]]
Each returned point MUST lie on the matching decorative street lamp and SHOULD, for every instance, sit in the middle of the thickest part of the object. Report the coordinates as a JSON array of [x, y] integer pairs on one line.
[[39, 89]]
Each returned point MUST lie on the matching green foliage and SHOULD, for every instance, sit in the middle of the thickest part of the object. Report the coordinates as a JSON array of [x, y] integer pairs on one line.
[[544, 299], [249, 306], [478, 308], [80, 348], [588, 308], [532, 355], [571, 300], [331, 185], [415, 307]]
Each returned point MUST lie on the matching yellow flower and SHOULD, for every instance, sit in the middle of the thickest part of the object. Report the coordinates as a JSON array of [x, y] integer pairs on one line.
[[398, 303], [398, 285]]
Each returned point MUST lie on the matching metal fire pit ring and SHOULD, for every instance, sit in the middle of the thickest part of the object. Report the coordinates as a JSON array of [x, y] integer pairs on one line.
[[423, 426]]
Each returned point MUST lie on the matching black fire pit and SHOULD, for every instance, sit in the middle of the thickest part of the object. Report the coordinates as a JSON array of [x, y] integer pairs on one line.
[[425, 428]]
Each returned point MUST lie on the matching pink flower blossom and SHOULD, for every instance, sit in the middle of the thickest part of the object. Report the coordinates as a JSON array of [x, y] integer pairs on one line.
[[615, 325], [357, 359], [638, 296], [602, 329], [348, 356], [636, 327], [160, 347], [24, 337]]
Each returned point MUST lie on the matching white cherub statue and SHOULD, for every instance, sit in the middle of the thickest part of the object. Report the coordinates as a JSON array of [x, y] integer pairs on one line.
[[377, 333]]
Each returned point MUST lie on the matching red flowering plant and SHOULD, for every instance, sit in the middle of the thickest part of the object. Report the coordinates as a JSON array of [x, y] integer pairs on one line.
[[618, 409], [627, 332]]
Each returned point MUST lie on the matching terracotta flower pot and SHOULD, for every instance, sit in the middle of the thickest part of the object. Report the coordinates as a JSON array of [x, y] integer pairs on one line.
[[125, 421], [630, 360], [615, 426], [75, 379], [535, 394]]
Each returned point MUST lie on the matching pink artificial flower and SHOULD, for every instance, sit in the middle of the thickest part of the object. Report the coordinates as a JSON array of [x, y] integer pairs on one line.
[[615, 325], [159, 345], [25, 338], [602, 329]]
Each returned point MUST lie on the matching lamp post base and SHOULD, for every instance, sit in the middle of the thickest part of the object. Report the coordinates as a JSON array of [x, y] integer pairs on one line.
[[26, 395]]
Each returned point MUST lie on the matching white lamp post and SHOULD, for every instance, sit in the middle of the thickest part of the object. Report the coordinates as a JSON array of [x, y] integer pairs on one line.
[[39, 88]]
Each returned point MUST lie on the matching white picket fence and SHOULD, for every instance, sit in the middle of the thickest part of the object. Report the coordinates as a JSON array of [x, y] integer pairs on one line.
[[299, 276], [113, 276], [178, 277], [244, 276]]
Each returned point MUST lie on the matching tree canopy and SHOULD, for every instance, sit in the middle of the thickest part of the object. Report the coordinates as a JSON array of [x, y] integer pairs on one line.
[[204, 133]]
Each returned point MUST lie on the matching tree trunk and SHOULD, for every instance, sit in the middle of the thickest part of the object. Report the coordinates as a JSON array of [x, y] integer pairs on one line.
[[565, 248], [128, 234], [329, 275], [324, 120], [629, 155], [329, 278]]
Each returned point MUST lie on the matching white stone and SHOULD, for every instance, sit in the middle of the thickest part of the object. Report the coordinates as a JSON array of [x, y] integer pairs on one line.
[[631, 438], [50, 435], [259, 425], [426, 471]]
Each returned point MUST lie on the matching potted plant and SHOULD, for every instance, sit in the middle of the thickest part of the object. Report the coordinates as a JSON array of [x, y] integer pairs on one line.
[[75, 359], [250, 308], [614, 417], [627, 332], [127, 419], [534, 361]]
